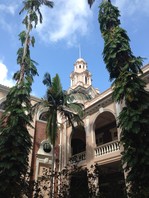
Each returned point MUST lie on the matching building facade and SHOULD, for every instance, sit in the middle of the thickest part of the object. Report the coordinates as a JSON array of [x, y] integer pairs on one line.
[[95, 143]]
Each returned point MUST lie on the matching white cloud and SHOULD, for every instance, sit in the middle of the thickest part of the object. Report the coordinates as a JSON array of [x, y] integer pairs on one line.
[[4, 80], [135, 7], [9, 9], [68, 20]]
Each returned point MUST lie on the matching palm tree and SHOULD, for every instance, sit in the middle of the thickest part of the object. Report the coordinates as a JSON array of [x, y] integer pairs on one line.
[[59, 102]]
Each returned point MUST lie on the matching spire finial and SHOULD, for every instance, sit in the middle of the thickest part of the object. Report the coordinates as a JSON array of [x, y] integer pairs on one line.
[[79, 51]]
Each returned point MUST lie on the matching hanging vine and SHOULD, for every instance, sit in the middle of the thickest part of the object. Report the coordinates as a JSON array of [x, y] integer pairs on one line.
[[123, 68], [15, 140]]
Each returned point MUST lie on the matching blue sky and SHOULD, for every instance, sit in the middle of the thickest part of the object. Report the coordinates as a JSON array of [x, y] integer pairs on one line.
[[65, 27]]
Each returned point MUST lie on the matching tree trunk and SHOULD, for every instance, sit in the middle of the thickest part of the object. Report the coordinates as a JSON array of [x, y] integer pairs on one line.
[[52, 174]]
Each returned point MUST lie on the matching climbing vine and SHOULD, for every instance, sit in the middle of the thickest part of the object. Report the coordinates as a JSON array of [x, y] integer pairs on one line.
[[128, 87], [15, 140]]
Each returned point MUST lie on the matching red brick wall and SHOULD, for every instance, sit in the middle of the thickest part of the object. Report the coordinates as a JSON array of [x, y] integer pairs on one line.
[[39, 136]]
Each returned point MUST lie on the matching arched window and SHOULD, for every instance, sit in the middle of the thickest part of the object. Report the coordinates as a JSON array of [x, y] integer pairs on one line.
[[43, 116]]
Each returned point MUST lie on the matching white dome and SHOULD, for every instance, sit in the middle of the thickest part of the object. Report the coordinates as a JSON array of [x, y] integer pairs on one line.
[[80, 60]]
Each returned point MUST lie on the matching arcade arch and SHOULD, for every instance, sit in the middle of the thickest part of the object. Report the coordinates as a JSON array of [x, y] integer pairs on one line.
[[78, 140], [105, 128]]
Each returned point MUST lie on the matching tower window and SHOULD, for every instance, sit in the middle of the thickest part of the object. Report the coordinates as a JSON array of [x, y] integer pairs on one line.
[[85, 80]]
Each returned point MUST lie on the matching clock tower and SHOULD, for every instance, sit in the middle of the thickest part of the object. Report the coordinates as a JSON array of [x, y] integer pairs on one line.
[[81, 79]]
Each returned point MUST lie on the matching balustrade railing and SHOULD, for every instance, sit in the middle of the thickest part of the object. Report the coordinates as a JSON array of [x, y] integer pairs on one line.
[[107, 148], [78, 157]]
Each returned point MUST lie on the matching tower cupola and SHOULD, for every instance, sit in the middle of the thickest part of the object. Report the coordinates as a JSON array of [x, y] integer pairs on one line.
[[80, 76]]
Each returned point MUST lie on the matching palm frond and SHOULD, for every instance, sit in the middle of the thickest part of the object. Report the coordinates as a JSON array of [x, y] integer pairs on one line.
[[90, 2], [78, 95], [76, 108], [56, 86], [47, 80], [49, 4]]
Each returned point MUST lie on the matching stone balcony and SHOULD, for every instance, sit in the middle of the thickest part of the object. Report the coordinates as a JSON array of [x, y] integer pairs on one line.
[[107, 153], [109, 147], [103, 153], [78, 157]]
